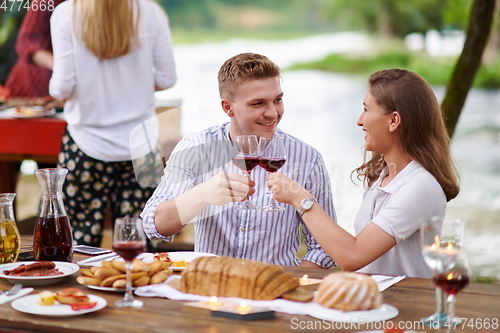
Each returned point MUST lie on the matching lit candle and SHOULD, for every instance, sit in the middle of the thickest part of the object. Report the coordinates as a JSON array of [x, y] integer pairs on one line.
[[214, 303], [243, 308]]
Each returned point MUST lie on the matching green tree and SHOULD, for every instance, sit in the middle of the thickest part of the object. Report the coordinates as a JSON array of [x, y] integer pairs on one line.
[[480, 22]]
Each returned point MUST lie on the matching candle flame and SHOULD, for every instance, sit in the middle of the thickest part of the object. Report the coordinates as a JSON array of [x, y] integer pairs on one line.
[[243, 304], [305, 277], [436, 240], [213, 299], [449, 276], [449, 247]]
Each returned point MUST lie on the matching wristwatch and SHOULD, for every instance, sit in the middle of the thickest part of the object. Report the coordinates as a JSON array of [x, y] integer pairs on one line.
[[306, 204]]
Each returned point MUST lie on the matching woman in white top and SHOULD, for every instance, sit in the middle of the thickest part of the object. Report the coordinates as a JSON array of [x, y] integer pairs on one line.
[[109, 58], [409, 177]]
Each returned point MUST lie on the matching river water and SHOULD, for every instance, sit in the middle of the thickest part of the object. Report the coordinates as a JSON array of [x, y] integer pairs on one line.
[[322, 108]]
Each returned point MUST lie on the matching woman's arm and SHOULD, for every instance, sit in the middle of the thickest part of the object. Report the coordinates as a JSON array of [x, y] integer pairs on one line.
[[349, 252]]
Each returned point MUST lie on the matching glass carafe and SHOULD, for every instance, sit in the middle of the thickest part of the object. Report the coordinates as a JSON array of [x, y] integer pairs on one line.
[[10, 240], [53, 239]]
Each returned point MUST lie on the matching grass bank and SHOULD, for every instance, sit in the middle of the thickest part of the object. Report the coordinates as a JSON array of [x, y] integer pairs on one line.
[[436, 70]]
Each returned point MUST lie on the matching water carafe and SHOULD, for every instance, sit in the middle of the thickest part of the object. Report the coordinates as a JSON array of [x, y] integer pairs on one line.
[[10, 240], [53, 239]]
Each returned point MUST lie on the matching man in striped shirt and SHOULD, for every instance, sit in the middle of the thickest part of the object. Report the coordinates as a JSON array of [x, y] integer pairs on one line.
[[202, 185]]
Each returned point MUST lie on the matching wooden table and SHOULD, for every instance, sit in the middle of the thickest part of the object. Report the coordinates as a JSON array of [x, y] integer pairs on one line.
[[413, 297]]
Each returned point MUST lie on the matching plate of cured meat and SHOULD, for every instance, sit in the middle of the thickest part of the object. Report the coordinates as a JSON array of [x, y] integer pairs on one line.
[[37, 273]]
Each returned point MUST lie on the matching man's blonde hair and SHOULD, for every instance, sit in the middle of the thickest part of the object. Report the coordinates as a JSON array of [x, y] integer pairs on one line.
[[107, 27], [244, 67]]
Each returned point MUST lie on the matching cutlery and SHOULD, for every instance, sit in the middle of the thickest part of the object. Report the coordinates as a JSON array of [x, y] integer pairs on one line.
[[106, 257], [14, 290]]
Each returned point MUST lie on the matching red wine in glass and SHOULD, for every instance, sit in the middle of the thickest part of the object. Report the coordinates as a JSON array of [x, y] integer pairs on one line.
[[129, 240], [451, 283], [128, 250], [271, 164], [246, 163], [272, 158], [246, 160]]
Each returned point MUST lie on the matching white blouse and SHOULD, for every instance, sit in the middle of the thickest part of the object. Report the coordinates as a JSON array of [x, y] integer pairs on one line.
[[412, 197], [107, 99]]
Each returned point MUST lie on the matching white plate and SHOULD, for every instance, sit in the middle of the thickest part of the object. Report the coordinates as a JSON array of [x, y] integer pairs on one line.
[[116, 290], [29, 304], [385, 312], [179, 256], [36, 112], [66, 268]]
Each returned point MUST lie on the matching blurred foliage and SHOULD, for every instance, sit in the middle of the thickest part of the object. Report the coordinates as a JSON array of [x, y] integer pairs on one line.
[[384, 17], [238, 18], [399, 18], [436, 70]]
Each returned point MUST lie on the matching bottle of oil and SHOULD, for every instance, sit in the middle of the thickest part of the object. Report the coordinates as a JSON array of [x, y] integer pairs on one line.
[[10, 240]]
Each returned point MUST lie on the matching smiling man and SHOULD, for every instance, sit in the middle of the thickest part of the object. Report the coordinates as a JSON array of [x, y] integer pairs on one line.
[[202, 185]]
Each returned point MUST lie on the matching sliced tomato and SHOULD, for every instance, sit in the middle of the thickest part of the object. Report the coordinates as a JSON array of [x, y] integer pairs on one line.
[[83, 306]]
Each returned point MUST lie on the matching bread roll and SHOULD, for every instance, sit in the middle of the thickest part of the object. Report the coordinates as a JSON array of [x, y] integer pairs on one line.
[[347, 291], [231, 277]]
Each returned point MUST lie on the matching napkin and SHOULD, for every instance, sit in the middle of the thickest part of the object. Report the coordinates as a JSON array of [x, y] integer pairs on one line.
[[385, 281], [164, 290], [22, 292]]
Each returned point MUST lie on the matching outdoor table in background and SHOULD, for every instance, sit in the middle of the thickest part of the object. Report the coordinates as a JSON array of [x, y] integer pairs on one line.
[[37, 139]]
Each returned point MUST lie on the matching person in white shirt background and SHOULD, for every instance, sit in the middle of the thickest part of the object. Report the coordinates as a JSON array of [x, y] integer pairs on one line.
[[110, 56], [409, 176]]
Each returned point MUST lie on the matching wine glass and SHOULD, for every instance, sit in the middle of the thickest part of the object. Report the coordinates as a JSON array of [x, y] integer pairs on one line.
[[246, 159], [129, 240], [272, 158], [452, 280], [435, 236]]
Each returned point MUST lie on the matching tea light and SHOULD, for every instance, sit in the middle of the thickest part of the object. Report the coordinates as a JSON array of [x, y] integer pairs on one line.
[[305, 280], [203, 307], [243, 311], [214, 303], [244, 308]]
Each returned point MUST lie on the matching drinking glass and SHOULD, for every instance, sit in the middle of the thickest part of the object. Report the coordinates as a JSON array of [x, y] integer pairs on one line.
[[272, 158], [452, 280], [246, 159], [436, 236], [129, 240]]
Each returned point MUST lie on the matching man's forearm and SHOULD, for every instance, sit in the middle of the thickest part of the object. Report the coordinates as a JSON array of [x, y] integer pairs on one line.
[[173, 215]]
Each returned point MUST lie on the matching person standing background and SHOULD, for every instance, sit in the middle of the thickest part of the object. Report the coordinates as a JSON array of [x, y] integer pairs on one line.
[[109, 58], [30, 75]]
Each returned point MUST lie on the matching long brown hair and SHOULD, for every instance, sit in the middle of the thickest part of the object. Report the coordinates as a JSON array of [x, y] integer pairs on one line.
[[107, 27], [422, 133]]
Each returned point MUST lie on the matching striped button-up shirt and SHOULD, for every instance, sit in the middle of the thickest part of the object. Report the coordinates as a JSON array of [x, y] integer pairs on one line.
[[271, 237]]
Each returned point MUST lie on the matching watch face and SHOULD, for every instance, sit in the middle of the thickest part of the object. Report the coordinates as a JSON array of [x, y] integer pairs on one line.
[[307, 204]]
